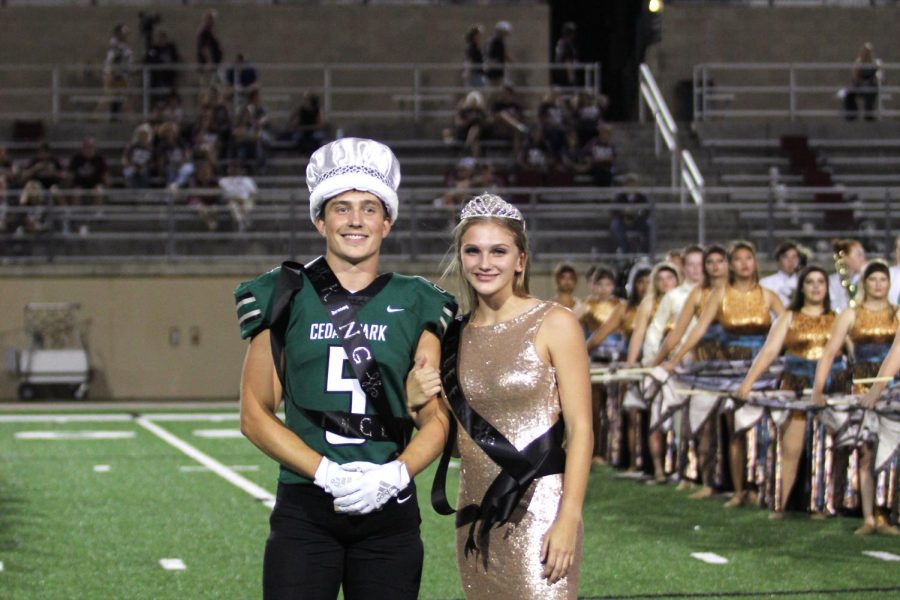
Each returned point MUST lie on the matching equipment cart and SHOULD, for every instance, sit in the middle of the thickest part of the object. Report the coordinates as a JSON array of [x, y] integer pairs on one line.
[[56, 358]]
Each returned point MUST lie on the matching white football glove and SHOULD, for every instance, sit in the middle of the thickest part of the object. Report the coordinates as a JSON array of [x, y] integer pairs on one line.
[[335, 479], [375, 485]]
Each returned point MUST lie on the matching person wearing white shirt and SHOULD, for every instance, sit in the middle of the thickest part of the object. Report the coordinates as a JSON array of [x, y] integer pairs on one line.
[[240, 193], [784, 282], [672, 303], [851, 258], [894, 293]]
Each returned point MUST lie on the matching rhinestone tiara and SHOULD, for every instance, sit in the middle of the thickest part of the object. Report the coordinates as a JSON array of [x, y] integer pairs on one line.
[[489, 205]]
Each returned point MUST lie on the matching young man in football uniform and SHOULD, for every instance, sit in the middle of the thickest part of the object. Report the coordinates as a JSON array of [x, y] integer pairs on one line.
[[334, 341]]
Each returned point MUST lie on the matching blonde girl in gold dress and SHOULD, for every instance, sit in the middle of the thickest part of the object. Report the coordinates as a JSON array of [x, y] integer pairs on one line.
[[520, 373]]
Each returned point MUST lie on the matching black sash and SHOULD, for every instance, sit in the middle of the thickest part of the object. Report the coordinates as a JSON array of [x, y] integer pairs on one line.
[[382, 426], [543, 456]]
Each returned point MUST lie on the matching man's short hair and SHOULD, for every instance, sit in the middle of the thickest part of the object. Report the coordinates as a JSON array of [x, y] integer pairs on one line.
[[691, 249], [564, 267], [784, 247]]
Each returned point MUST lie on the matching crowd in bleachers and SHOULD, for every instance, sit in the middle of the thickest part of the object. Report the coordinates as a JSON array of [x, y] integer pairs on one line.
[[213, 156], [561, 139]]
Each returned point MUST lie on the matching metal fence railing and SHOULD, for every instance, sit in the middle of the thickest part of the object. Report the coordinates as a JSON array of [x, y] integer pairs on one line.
[[383, 91], [788, 90], [563, 223]]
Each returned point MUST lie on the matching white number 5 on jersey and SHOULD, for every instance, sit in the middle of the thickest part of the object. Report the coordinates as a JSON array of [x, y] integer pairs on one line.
[[336, 382]]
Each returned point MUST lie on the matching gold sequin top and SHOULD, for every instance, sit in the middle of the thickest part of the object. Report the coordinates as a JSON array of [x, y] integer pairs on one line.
[[807, 335], [874, 327], [744, 313], [599, 311], [628, 321]]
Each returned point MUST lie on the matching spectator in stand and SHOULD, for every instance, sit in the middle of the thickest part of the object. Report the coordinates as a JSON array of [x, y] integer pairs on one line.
[[600, 156], [572, 157], [137, 159], [170, 153], [497, 58], [635, 217], [31, 216], [473, 73], [4, 204], [466, 180], [470, 122], [307, 129], [172, 112], [239, 192], [161, 54], [587, 111], [251, 134], [44, 168], [209, 50], [867, 78], [536, 157], [204, 194], [565, 56], [117, 71], [87, 173], [242, 77], [784, 281], [9, 172], [507, 117], [552, 119]]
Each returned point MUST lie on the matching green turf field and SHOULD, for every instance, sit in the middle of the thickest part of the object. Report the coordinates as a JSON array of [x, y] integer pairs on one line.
[[93, 518]]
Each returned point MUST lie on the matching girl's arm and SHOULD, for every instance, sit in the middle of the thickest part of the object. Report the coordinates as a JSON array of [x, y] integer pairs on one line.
[[769, 352], [838, 333], [560, 336], [699, 330], [681, 325], [609, 326]]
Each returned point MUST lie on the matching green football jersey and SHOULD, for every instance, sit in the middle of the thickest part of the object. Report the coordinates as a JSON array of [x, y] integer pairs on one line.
[[318, 375]]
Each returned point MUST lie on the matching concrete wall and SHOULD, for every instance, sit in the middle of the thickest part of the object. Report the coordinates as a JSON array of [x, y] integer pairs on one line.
[[130, 319], [698, 34]]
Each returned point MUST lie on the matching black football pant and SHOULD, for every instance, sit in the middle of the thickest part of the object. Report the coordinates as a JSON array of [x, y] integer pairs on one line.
[[312, 551]]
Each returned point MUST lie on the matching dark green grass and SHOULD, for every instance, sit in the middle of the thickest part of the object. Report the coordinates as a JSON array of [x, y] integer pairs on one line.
[[68, 532]]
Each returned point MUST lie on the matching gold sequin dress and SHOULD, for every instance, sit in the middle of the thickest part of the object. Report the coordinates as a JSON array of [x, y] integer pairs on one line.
[[506, 381], [872, 334]]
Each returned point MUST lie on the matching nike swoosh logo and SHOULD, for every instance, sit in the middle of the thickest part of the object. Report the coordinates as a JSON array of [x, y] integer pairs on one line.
[[402, 500], [391, 309]]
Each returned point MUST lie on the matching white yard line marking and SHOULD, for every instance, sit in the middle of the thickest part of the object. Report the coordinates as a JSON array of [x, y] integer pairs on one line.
[[207, 461], [218, 433], [1, 566], [65, 418], [202, 469], [882, 555], [121, 417], [74, 435], [172, 564], [710, 558], [193, 416], [101, 468]]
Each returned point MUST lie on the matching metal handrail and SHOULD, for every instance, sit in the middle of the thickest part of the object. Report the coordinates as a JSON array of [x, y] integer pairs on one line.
[[780, 91], [685, 173], [61, 92]]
